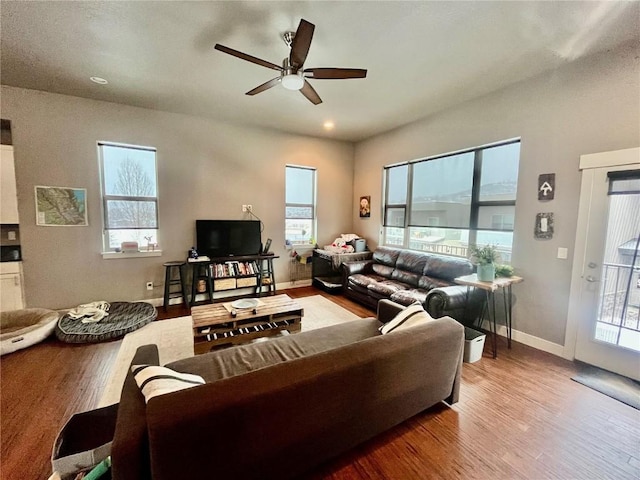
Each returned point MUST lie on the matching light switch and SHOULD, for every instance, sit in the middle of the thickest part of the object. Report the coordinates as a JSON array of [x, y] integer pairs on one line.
[[563, 253], [11, 235]]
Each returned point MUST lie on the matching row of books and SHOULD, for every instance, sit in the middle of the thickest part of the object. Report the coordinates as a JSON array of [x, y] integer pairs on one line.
[[233, 269], [243, 331]]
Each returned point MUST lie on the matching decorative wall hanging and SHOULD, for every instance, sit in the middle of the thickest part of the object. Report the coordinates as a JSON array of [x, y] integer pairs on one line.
[[61, 206], [365, 206], [546, 186], [544, 226]]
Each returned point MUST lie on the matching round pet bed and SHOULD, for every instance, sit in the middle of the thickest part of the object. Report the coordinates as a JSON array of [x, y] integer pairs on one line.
[[22, 328], [124, 317]]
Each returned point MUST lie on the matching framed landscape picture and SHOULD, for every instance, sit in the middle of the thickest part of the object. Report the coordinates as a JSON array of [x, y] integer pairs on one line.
[[61, 206]]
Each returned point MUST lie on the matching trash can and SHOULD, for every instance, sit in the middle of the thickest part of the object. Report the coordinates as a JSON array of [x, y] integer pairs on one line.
[[473, 345], [84, 441]]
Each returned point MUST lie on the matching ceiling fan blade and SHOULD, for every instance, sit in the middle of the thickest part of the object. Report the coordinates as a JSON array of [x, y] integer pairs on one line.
[[335, 73], [248, 58], [308, 91], [265, 86], [301, 43]]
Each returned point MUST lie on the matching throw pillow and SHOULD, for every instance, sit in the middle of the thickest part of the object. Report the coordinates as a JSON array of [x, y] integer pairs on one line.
[[411, 316], [154, 380]]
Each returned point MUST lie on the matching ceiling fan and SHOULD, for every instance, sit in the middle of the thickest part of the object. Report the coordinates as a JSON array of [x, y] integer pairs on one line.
[[292, 75]]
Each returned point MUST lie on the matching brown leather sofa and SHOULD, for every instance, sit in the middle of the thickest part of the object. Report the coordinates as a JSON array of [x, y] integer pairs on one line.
[[407, 276], [276, 409]]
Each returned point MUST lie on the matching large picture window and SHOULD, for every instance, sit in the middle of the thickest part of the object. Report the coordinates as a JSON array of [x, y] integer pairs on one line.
[[129, 195], [300, 208], [446, 203]]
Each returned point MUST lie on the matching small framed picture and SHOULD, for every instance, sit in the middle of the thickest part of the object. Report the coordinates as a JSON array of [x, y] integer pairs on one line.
[[365, 206]]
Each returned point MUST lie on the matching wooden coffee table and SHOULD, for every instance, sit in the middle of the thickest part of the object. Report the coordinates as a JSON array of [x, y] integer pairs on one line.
[[214, 325]]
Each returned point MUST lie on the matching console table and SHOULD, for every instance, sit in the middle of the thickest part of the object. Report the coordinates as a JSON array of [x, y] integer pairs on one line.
[[262, 275], [490, 302]]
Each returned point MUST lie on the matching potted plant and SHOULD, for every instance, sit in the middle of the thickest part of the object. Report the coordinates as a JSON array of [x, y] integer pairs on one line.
[[485, 258]]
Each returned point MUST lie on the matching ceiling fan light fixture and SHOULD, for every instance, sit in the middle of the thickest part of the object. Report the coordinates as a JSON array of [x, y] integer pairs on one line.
[[292, 74], [293, 81]]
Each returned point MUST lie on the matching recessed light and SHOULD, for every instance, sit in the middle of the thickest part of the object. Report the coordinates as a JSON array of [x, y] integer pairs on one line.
[[98, 80], [328, 125]]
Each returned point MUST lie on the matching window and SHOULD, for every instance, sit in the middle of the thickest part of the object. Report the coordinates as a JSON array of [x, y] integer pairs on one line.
[[129, 195], [446, 203], [395, 212], [300, 208], [501, 221]]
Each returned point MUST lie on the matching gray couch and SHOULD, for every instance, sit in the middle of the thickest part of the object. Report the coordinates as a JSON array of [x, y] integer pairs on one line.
[[408, 276], [276, 409]]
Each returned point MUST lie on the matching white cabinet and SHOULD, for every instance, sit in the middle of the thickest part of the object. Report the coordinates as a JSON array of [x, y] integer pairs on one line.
[[8, 192], [11, 297], [11, 280]]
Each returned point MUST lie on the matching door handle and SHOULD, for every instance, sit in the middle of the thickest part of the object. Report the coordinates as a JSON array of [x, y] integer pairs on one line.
[[590, 278]]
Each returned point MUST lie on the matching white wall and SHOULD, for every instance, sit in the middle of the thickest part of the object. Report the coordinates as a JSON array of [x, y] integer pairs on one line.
[[590, 106], [206, 170]]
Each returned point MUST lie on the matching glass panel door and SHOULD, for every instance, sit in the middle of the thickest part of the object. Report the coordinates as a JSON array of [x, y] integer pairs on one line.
[[619, 302], [605, 294]]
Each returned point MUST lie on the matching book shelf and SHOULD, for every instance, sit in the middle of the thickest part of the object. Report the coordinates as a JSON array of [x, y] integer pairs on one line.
[[234, 274], [230, 273]]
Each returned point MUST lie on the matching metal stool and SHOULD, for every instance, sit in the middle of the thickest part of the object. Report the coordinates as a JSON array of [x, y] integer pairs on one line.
[[170, 279]]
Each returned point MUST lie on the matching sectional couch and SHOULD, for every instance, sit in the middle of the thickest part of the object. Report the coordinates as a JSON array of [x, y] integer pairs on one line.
[[407, 276], [276, 409]]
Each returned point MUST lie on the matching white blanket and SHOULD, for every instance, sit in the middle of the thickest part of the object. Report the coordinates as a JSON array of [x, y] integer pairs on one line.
[[90, 312]]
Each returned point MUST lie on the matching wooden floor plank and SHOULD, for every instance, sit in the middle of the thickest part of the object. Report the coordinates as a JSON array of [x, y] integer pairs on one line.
[[519, 417]]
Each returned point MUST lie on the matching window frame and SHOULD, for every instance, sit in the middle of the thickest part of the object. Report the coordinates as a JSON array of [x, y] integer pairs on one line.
[[312, 206], [476, 204], [106, 198]]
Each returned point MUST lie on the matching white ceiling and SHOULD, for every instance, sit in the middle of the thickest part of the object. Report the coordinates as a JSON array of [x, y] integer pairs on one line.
[[421, 57]]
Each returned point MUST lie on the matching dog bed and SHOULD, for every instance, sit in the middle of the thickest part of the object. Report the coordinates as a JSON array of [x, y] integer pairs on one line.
[[124, 317], [22, 328]]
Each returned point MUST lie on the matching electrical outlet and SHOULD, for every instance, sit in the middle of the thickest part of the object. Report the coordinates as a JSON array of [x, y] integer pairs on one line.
[[249, 208], [244, 208], [149, 285]]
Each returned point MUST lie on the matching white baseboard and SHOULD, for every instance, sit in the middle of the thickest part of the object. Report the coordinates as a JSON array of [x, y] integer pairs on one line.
[[158, 302], [296, 284], [529, 340]]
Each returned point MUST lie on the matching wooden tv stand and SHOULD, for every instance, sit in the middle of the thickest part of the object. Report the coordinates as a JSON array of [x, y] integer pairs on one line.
[[260, 277]]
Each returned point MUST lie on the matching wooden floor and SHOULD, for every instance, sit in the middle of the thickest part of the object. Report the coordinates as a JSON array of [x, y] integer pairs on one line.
[[519, 416]]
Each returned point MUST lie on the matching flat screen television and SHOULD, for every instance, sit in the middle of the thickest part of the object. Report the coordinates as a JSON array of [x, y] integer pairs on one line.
[[223, 238]]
